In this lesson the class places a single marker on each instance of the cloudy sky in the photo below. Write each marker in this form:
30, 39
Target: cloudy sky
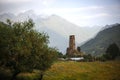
80, 12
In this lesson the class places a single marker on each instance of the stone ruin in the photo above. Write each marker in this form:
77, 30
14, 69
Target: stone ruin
71, 50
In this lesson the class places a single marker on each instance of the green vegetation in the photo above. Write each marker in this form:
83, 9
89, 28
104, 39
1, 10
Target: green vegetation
23, 49
88, 58
25, 55
70, 70
112, 52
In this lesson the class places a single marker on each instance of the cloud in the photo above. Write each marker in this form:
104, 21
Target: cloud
47, 2
44, 2
86, 19
71, 10
77, 14
14, 1
100, 15
17, 6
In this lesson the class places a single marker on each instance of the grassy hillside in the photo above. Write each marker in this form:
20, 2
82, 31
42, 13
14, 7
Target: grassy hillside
84, 71
70, 70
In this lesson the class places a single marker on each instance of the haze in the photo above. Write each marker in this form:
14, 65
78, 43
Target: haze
79, 12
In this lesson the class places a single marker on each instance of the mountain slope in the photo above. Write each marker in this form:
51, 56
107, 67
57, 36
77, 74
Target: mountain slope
56, 40
65, 28
98, 45
5, 16
57, 28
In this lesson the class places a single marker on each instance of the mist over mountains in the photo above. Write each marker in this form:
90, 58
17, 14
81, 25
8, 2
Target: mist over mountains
56, 27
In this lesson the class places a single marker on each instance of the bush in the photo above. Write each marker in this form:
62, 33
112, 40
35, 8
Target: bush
112, 52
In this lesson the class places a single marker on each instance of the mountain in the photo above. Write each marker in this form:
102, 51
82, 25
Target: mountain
56, 40
63, 28
57, 28
5, 16
98, 45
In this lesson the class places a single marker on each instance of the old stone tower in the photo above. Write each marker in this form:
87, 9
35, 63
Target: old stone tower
71, 50
72, 42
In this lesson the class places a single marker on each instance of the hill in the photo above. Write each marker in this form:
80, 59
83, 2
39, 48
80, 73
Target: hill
98, 45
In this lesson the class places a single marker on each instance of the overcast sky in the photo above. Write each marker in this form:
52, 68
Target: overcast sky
80, 12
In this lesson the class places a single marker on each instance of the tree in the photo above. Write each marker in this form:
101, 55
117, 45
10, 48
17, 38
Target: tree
88, 57
60, 55
24, 49
78, 49
5, 35
112, 52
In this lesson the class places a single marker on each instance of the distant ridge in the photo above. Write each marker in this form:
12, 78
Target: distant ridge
98, 45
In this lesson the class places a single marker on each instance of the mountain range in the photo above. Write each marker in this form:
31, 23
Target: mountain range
56, 27
98, 45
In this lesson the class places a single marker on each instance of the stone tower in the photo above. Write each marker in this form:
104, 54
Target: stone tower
72, 42
71, 49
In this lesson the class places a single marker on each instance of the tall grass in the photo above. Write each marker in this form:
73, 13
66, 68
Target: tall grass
84, 71
70, 70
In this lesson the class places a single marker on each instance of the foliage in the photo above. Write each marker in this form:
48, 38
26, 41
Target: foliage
23, 48
101, 58
60, 55
88, 57
79, 49
112, 51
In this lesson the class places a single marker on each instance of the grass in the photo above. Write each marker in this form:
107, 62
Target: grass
84, 71
70, 70
28, 76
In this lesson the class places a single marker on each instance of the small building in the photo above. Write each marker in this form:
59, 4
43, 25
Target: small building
77, 59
